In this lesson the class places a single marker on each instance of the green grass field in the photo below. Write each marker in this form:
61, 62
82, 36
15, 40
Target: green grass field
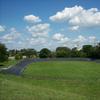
8, 63
53, 80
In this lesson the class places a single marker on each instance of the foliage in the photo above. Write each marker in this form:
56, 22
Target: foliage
3, 53
92, 52
29, 53
18, 56
45, 53
8, 63
13, 52
87, 51
75, 52
63, 52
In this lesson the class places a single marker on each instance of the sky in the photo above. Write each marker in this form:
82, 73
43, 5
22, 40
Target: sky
49, 23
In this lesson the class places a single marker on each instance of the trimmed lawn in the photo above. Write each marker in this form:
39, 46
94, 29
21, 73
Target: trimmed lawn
53, 80
64, 69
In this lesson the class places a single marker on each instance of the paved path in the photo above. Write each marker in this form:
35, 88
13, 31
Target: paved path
19, 67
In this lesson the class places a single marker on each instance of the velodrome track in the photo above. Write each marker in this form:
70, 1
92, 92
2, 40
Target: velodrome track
19, 67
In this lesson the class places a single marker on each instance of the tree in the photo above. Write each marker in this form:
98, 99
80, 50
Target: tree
18, 56
88, 50
82, 54
29, 53
45, 53
96, 51
53, 54
75, 52
3, 53
63, 52
13, 52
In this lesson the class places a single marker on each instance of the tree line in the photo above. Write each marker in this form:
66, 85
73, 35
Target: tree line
87, 51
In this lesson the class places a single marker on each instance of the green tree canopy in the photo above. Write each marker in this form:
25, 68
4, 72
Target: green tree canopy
3, 53
88, 50
29, 53
45, 53
63, 52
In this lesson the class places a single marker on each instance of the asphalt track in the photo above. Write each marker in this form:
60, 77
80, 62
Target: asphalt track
19, 67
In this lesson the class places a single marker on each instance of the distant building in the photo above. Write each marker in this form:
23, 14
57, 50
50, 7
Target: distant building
24, 57
11, 58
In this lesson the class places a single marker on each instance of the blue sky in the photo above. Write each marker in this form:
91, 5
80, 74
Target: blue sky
49, 23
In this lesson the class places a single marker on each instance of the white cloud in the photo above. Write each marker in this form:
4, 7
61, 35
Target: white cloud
32, 19
39, 30
2, 29
66, 14
74, 28
11, 36
80, 39
37, 41
92, 39
78, 16
60, 38
65, 40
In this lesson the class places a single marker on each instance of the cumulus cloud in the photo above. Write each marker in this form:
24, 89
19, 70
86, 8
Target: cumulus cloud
60, 38
80, 39
39, 30
2, 29
11, 36
76, 42
32, 19
37, 41
74, 28
78, 16
92, 39
65, 41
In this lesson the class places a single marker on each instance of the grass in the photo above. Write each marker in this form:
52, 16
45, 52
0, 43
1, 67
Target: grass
8, 63
65, 80
64, 69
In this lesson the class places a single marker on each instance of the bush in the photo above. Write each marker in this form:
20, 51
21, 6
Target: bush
18, 56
